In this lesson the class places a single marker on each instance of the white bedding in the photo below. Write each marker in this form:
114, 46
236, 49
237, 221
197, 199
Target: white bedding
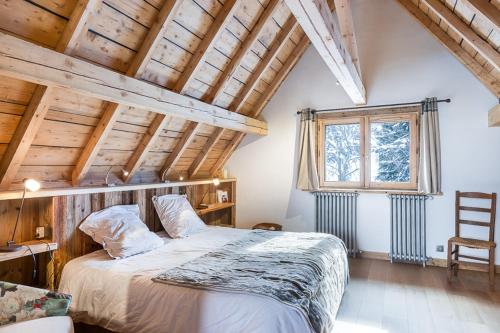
119, 294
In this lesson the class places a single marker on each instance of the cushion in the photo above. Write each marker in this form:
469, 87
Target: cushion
120, 231
42, 325
19, 303
177, 216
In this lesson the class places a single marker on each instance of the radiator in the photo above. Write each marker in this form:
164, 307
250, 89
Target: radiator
336, 214
408, 237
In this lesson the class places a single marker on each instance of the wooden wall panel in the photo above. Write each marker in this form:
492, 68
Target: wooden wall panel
36, 212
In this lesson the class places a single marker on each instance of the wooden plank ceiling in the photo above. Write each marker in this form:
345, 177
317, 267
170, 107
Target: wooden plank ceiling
233, 54
469, 29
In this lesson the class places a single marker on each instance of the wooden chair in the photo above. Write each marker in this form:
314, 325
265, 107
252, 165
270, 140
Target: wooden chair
455, 242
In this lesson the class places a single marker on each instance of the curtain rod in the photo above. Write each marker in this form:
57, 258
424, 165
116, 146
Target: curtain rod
448, 100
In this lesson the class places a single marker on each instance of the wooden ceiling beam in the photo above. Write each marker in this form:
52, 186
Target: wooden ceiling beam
273, 51
316, 19
237, 104
245, 47
112, 110
465, 32
494, 116
346, 26
465, 58
39, 104
26, 61
486, 10
24, 135
223, 80
77, 25
263, 100
197, 60
179, 149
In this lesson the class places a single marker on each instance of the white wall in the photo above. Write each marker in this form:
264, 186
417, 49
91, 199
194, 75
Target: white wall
400, 62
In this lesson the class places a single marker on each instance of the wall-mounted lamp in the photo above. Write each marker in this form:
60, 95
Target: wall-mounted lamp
125, 173
165, 173
31, 185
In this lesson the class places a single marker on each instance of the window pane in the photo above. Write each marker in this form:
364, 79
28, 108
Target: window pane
390, 152
342, 153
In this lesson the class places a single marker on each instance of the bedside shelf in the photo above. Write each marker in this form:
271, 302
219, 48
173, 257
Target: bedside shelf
214, 208
36, 247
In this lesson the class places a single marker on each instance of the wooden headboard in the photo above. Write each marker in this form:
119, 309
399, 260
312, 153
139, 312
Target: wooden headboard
63, 215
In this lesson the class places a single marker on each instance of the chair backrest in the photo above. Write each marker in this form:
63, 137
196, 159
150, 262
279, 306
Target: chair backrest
492, 197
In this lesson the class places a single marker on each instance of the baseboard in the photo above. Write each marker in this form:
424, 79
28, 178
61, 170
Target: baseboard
432, 262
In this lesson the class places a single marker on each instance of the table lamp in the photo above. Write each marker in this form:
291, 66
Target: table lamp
31, 185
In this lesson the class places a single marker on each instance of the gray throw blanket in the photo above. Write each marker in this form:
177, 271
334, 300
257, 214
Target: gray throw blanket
307, 271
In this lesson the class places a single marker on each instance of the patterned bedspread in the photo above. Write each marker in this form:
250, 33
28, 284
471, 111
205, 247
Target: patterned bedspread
307, 271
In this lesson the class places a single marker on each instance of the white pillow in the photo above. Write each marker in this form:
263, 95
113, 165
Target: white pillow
177, 216
120, 231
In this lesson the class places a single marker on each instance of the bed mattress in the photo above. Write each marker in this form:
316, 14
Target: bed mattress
120, 295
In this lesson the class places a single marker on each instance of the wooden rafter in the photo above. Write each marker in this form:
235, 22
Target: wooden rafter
465, 58
221, 83
494, 116
24, 135
346, 26
112, 111
465, 32
26, 61
196, 61
277, 45
486, 10
39, 104
264, 99
180, 148
316, 19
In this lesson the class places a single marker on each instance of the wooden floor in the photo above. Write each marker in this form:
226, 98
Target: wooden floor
398, 298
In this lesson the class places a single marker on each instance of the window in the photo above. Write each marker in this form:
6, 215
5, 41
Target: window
368, 151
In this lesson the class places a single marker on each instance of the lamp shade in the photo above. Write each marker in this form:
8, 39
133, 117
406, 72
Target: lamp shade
32, 185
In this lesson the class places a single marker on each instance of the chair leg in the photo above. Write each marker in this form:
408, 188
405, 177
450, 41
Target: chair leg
455, 266
448, 265
492, 268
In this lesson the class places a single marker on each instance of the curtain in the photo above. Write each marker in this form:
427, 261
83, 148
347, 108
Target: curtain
429, 180
307, 178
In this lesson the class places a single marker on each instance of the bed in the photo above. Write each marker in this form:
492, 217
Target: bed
121, 296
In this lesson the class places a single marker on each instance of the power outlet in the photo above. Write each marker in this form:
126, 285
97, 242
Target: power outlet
440, 248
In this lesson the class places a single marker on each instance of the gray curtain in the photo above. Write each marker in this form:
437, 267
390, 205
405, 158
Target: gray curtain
307, 178
429, 180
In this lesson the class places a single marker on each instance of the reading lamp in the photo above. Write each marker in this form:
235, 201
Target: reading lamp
31, 185
164, 175
106, 180
215, 182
